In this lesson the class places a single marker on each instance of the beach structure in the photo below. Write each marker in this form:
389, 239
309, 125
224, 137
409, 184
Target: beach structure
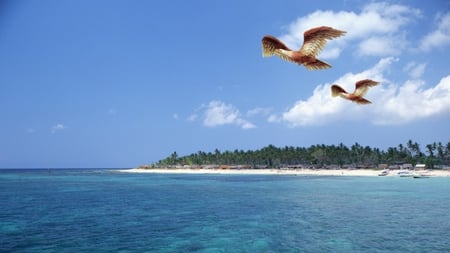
420, 166
407, 166
210, 167
364, 166
332, 167
394, 167
235, 167
383, 166
295, 166
314, 40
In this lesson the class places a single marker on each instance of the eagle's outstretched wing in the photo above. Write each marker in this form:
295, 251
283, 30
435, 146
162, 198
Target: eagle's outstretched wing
362, 86
270, 44
337, 90
315, 39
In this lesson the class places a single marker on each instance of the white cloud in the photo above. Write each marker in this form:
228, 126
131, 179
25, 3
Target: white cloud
246, 125
314, 110
376, 30
321, 108
392, 104
411, 101
57, 127
381, 46
440, 37
218, 113
414, 69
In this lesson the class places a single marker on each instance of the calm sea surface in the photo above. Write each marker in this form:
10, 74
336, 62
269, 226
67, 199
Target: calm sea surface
107, 211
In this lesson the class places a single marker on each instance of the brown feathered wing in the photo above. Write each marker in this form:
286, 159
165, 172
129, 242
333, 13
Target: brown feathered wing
315, 39
362, 86
361, 101
271, 46
337, 90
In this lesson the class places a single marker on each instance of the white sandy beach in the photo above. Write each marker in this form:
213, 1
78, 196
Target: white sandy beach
306, 172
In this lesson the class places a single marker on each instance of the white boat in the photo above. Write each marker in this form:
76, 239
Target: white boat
405, 173
420, 175
383, 173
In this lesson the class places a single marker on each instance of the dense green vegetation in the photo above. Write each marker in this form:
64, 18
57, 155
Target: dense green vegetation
320, 155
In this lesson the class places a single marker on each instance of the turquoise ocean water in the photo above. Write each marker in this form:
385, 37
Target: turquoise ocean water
104, 211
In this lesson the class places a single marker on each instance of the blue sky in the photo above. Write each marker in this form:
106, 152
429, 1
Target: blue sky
125, 83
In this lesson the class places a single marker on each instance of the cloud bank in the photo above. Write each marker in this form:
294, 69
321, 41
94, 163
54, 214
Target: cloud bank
377, 30
392, 103
412, 101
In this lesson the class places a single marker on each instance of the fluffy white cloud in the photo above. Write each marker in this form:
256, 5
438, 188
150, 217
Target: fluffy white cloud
439, 37
218, 113
392, 103
376, 30
381, 46
317, 109
321, 108
411, 101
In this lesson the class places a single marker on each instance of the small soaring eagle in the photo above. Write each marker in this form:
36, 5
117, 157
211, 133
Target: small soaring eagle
313, 43
361, 88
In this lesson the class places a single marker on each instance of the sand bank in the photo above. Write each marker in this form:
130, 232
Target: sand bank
306, 172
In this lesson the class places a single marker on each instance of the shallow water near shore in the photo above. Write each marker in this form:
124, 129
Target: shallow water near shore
107, 211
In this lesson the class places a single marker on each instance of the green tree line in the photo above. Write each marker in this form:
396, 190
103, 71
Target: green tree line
319, 155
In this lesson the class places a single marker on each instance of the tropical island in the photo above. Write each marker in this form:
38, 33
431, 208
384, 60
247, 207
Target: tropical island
316, 159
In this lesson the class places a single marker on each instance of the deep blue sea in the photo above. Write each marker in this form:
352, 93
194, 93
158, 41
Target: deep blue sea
107, 211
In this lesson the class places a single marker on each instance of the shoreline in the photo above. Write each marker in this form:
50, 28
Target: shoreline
295, 172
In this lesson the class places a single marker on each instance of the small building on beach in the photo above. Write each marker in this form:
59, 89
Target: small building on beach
420, 166
407, 166
383, 166
394, 167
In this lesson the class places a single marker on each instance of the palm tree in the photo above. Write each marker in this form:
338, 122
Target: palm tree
414, 148
430, 149
440, 152
356, 153
430, 160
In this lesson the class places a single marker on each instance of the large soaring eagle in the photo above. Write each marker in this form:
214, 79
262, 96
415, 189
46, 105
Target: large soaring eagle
313, 43
361, 88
